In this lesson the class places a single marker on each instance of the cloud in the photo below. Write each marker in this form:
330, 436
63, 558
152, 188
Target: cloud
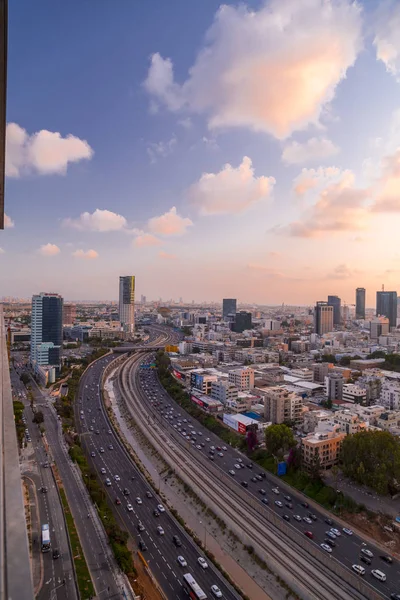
313, 150
310, 179
49, 250
99, 220
44, 152
169, 224
265, 270
231, 190
186, 123
342, 271
387, 36
2, 251
88, 254
339, 207
273, 70
166, 255
144, 239
388, 187
8, 222
161, 149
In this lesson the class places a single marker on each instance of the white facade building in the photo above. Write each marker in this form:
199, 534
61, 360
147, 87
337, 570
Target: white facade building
224, 391
390, 396
354, 393
243, 379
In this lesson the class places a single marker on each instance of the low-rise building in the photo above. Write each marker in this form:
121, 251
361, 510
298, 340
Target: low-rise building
390, 395
320, 371
314, 418
202, 380
304, 374
224, 391
243, 379
388, 421
348, 422
282, 406
354, 393
367, 363
322, 448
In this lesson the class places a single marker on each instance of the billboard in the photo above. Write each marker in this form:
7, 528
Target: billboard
241, 427
177, 374
197, 400
230, 421
196, 381
282, 468
171, 348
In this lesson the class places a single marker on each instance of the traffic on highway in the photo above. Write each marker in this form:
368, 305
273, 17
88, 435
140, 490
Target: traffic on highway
364, 559
163, 543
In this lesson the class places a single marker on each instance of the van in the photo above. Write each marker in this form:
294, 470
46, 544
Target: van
378, 575
358, 569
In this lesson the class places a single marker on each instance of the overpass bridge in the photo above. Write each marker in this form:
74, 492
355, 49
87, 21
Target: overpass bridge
136, 348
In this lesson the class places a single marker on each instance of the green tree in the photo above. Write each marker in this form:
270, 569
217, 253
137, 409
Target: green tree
24, 378
38, 417
345, 361
328, 358
279, 439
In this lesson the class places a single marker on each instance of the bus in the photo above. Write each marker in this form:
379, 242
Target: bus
46, 538
192, 588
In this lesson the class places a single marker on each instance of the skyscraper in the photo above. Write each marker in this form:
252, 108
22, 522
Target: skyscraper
228, 307
386, 306
323, 318
46, 330
360, 303
242, 321
335, 302
127, 303
69, 314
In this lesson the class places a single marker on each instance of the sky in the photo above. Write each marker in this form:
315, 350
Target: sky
247, 150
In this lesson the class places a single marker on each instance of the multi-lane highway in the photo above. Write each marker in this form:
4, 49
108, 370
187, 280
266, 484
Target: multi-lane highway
135, 502
348, 548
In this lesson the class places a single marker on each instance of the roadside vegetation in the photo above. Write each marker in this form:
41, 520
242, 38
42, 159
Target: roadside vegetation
18, 408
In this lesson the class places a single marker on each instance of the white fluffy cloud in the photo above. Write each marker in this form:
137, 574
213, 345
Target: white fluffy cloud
88, 254
169, 224
161, 149
310, 179
387, 36
8, 222
49, 250
313, 150
388, 187
340, 206
270, 70
143, 239
231, 190
44, 152
99, 220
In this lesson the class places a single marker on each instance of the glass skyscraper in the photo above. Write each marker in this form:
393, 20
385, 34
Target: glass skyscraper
386, 306
360, 303
228, 307
127, 303
46, 330
335, 302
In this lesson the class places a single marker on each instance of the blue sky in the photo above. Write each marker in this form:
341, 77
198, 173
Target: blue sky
245, 151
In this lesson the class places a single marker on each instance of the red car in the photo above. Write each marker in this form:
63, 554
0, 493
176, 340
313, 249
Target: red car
117, 501
309, 534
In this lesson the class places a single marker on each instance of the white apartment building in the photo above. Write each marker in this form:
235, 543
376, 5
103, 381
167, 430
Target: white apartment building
281, 406
243, 379
388, 421
348, 422
304, 374
354, 393
224, 391
390, 395
314, 418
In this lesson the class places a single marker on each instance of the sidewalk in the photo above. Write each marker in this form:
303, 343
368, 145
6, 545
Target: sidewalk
33, 525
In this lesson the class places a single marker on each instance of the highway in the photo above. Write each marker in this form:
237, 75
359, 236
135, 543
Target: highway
347, 548
111, 461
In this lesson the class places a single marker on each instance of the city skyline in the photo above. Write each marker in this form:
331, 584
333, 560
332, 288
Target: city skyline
293, 199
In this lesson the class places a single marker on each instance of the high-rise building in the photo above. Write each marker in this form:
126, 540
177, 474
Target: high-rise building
228, 307
386, 306
127, 303
69, 314
323, 318
335, 302
46, 330
242, 321
379, 326
143, 299
360, 303
281, 406
334, 386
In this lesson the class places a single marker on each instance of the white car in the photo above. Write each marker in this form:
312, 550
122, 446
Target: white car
160, 507
108, 482
208, 440
326, 548
278, 503
297, 517
117, 478
358, 569
347, 531
103, 470
237, 466
367, 552
160, 530
129, 507
231, 472
139, 500
216, 591
378, 575
202, 562
336, 532
307, 520
182, 561
240, 460
275, 490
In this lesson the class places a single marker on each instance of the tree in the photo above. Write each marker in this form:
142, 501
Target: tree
279, 439
328, 358
39, 417
315, 467
345, 361
24, 378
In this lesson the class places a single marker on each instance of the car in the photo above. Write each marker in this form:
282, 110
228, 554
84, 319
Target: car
91, 428
56, 554
108, 482
231, 472
142, 545
177, 540
103, 470
254, 479
286, 517
211, 457
386, 558
216, 591
336, 531
288, 498
329, 521
365, 560
265, 500
276, 491
202, 444
224, 448
367, 552
117, 501
394, 596
149, 494
305, 504
307, 520
347, 531
278, 503
309, 534
97, 432
259, 478
380, 575
330, 542
129, 507
297, 517
93, 454
262, 492
110, 447
326, 547
182, 561
101, 450
312, 516
207, 439
358, 569
237, 466
109, 431
202, 562
117, 478
140, 526
221, 454
244, 484
44, 489
289, 505
160, 508
330, 535
160, 530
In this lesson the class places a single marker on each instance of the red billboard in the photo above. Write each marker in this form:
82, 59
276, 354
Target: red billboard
177, 374
197, 400
241, 427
